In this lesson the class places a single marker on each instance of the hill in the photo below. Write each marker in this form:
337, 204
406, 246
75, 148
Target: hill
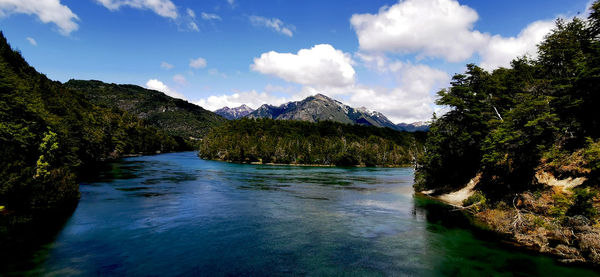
49, 133
174, 116
302, 142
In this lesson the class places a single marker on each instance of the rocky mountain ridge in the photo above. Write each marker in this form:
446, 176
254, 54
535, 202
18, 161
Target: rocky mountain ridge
320, 108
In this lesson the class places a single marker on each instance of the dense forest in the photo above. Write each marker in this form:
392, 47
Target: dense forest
49, 133
512, 126
301, 142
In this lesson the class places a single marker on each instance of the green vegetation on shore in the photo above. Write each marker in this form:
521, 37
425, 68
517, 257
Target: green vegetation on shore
301, 142
174, 116
49, 133
521, 129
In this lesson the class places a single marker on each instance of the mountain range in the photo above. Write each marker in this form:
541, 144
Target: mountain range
320, 108
234, 113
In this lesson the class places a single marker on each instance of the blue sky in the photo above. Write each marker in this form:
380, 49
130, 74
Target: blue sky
390, 56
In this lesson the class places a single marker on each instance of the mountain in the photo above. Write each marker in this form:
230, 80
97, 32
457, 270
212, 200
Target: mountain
319, 108
234, 113
419, 126
175, 116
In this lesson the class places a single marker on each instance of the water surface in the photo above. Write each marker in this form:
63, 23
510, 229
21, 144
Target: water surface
174, 214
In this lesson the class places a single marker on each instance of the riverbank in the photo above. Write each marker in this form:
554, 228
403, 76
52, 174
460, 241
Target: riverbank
536, 221
309, 165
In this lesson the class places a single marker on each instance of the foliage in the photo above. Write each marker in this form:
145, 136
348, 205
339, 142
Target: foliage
591, 154
505, 123
176, 117
583, 203
301, 142
561, 204
49, 133
476, 198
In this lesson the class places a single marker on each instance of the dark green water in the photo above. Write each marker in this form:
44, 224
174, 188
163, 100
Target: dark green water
174, 214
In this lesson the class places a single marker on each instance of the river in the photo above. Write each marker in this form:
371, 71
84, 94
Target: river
175, 214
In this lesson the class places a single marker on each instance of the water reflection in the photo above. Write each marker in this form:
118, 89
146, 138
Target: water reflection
26, 239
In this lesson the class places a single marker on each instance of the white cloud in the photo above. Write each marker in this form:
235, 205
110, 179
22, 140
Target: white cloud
190, 13
411, 101
273, 23
323, 69
46, 10
179, 79
441, 29
31, 41
232, 3
500, 51
166, 65
193, 26
198, 63
322, 65
210, 16
251, 98
431, 28
160, 86
379, 62
164, 8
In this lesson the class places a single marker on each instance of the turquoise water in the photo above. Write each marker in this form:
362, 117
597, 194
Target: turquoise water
174, 214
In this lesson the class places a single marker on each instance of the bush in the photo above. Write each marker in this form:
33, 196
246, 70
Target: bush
476, 198
583, 203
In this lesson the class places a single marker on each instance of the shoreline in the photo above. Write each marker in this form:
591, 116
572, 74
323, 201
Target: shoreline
478, 220
308, 165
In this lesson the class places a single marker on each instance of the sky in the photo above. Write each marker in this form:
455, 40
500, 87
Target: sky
388, 56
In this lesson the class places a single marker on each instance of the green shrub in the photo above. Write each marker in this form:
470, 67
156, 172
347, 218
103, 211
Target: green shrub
583, 203
476, 198
561, 204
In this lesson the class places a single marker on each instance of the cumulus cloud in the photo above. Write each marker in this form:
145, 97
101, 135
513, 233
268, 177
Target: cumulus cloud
179, 79
166, 65
251, 98
379, 62
47, 11
321, 65
273, 23
500, 50
164, 8
431, 28
210, 16
31, 41
441, 29
410, 101
160, 86
198, 63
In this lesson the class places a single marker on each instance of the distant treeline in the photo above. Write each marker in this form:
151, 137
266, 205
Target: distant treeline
49, 133
300, 142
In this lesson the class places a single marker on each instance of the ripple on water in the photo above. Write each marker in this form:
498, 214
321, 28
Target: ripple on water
174, 214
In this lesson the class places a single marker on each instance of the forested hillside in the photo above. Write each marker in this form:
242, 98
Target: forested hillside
532, 134
175, 116
49, 132
301, 142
